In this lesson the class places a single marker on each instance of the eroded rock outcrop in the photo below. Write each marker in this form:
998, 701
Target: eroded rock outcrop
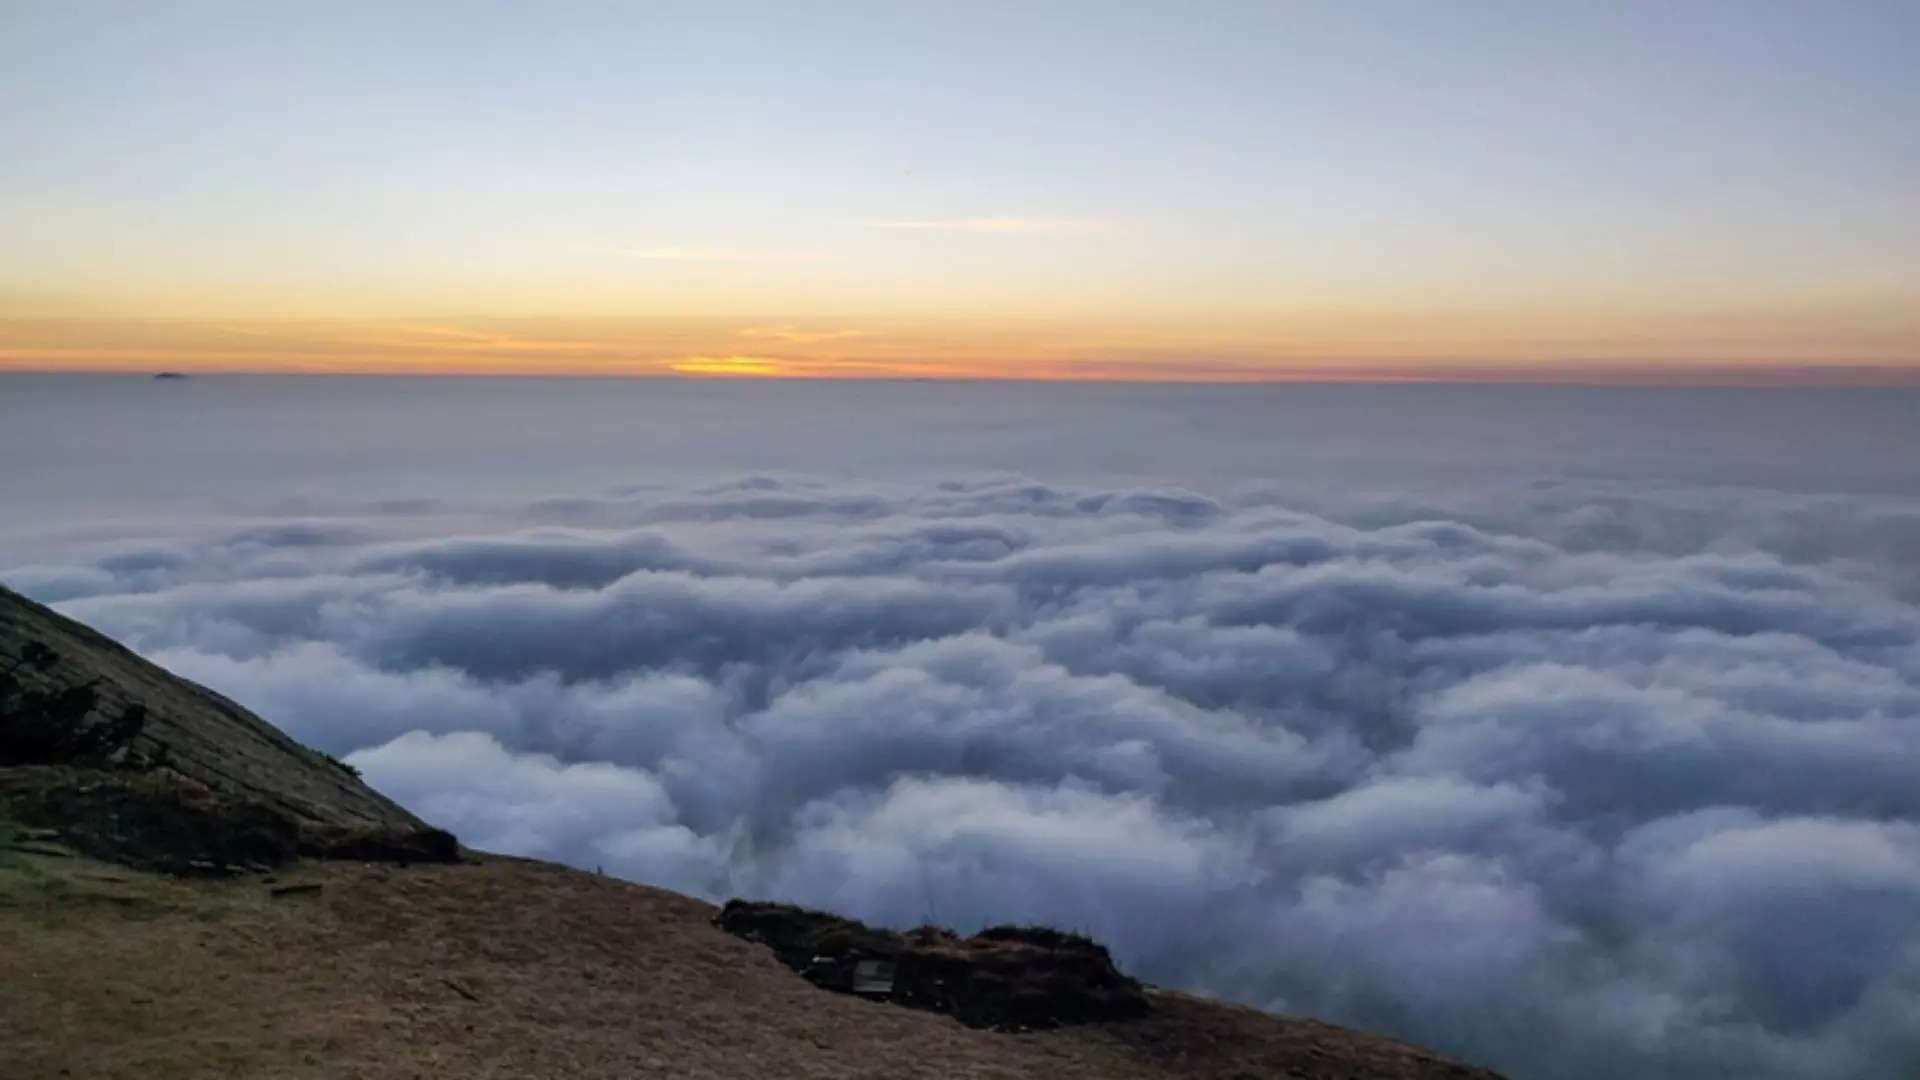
1004, 977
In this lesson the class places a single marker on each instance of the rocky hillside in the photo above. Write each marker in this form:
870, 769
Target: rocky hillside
186, 892
116, 758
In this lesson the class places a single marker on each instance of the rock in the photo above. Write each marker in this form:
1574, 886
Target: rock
1005, 977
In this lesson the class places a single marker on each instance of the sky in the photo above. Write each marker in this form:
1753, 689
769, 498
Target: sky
1571, 731
1613, 192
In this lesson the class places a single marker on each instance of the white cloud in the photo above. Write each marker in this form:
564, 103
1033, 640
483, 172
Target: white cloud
1571, 782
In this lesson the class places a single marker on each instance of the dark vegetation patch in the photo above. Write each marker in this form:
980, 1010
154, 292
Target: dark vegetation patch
381, 845
169, 823
148, 821
42, 725
1007, 978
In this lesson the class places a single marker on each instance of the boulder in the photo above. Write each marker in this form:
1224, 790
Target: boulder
1006, 978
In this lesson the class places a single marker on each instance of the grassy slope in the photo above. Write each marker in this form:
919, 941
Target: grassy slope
512, 968
203, 735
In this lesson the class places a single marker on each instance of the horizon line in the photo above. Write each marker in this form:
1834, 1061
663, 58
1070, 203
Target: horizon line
1699, 376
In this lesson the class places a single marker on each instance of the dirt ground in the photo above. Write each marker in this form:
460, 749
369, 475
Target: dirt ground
510, 968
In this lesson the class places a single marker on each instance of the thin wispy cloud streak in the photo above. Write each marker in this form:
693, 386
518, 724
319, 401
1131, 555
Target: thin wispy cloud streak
699, 254
1576, 759
1002, 225
798, 335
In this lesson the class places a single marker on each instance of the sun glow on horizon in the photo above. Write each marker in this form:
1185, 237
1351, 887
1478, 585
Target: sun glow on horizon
727, 365
1327, 346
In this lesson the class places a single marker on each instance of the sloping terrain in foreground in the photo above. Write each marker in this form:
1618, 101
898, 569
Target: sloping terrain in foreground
358, 943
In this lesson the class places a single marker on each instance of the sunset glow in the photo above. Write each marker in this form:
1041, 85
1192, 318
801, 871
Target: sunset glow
1298, 192
726, 365
1398, 512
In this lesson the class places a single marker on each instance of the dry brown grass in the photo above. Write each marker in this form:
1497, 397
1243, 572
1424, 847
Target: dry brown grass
509, 968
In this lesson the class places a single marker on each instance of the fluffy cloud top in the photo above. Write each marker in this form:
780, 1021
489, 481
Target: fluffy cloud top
1572, 782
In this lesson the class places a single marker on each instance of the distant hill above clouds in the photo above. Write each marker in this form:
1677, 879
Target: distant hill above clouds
185, 891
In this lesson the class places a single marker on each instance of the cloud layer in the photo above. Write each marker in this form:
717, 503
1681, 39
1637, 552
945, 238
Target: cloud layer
1572, 778
1563, 808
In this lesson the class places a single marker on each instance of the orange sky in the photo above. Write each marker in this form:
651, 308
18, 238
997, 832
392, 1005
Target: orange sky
1432, 345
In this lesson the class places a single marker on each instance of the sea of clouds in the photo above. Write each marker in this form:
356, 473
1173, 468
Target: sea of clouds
1570, 771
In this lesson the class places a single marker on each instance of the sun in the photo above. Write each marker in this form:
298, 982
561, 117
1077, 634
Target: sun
727, 365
